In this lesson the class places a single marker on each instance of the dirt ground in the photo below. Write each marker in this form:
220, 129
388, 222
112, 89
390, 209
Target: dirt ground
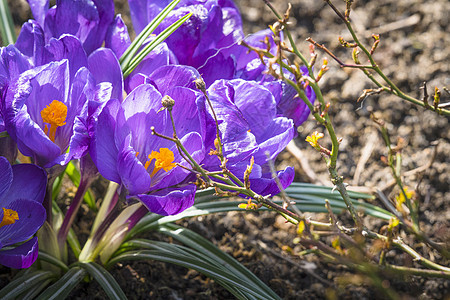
414, 48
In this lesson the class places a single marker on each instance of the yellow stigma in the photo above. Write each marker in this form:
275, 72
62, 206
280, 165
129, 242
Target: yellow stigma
54, 114
9, 217
164, 160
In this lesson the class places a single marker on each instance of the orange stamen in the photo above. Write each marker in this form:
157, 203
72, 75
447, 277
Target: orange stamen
9, 217
54, 114
164, 160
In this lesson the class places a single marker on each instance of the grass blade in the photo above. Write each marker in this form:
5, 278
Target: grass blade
140, 39
61, 289
24, 283
53, 260
209, 250
180, 255
135, 61
6, 24
35, 290
105, 279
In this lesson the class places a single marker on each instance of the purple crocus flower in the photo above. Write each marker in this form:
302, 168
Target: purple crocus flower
250, 127
37, 110
88, 20
64, 88
41, 107
214, 24
22, 190
126, 152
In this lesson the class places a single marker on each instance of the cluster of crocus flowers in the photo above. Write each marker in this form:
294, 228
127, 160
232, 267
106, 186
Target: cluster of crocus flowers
63, 97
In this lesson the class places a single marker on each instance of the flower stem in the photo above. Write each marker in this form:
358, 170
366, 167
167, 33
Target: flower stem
85, 182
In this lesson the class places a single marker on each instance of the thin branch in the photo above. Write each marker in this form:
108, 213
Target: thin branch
342, 64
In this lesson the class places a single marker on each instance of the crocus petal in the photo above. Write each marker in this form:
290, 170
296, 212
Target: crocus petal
26, 175
138, 12
160, 56
87, 20
268, 186
167, 77
33, 90
186, 115
257, 40
6, 177
105, 67
256, 104
31, 217
22, 256
217, 67
31, 41
134, 177
85, 123
12, 62
232, 24
169, 201
95, 38
32, 141
77, 18
39, 9
135, 80
276, 137
239, 142
142, 99
117, 37
69, 47
104, 151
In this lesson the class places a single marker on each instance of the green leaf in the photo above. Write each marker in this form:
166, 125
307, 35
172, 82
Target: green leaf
105, 279
24, 283
75, 177
135, 61
35, 290
57, 185
191, 259
6, 24
74, 244
3, 134
72, 239
53, 260
61, 289
209, 250
131, 51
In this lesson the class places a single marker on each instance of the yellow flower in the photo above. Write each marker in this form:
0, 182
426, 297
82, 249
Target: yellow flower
249, 205
400, 199
314, 138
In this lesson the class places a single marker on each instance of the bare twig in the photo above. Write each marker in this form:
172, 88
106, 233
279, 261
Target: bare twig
304, 163
366, 152
342, 64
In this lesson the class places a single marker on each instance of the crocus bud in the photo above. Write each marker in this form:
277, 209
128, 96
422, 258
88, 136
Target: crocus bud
200, 84
167, 102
